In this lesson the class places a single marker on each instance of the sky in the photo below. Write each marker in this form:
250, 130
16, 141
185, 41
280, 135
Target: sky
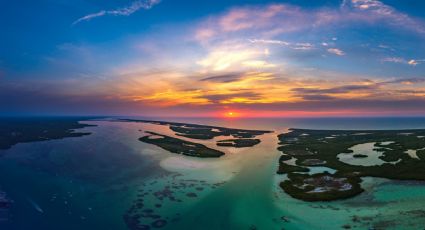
212, 58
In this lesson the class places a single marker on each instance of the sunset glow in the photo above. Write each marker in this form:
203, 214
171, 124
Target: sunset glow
232, 114
266, 58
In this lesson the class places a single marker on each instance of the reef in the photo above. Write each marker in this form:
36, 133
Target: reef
153, 197
312, 148
179, 146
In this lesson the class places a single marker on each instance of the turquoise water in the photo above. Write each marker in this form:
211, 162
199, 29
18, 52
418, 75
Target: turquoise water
91, 182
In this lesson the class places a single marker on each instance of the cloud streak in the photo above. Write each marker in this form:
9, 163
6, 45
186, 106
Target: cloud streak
411, 62
276, 19
124, 11
374, 10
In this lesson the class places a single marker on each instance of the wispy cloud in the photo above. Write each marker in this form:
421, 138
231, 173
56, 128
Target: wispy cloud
265, 41
224, 78
295, 46
412, 62
374, 10
124, 11
303, 46
276, 19
282, 26
394, 60
336, 51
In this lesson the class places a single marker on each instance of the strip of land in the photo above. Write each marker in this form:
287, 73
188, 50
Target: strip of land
22, 130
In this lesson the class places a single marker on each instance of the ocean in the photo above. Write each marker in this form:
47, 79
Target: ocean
111, 180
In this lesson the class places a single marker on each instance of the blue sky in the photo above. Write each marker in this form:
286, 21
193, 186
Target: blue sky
189, 58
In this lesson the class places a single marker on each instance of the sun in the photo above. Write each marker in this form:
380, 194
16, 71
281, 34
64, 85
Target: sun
231, 114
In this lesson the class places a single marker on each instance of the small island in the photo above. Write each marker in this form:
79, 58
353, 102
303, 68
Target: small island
321, 186
180, 146
238, 143
343, 152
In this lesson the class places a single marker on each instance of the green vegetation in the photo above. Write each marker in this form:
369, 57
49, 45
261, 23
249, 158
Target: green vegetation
203, 132
321, 186
326, 145
313, 162
195, 133
20, 130
284, 157
238, 143
286, 168
180, 146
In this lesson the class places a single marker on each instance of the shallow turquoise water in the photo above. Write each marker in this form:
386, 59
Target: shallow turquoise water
90, 182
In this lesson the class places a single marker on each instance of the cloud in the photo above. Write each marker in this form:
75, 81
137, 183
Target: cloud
414, 62
238, 96
232, 56
408, 81
295, 46
258, 64
303, 46
411, 62
224, 78
374, 10
189, 92
265, 41
345, 89
394, 60
317, 97
336, 51
273, 20
125, 11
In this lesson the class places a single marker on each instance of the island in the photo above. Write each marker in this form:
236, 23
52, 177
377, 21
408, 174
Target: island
179, 146
348, 155
203, 132
321, 186
241, 137
30, 129
238, 143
